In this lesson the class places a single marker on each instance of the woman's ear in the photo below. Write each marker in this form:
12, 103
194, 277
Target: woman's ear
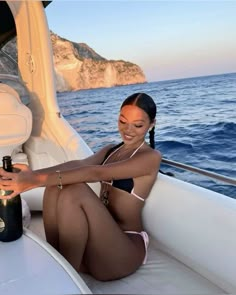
152, 125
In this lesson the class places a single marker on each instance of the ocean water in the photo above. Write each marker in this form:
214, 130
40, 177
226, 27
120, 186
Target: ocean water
196, 122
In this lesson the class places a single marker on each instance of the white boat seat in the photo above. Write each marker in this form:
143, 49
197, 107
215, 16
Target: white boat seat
162, 274
15, 124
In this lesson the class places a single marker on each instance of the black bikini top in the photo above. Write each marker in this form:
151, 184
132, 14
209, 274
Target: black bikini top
123, 184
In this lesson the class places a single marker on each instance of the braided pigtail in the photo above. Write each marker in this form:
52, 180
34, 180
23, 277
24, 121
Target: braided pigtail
152, 137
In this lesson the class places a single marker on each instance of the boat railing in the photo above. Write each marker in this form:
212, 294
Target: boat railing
204, 172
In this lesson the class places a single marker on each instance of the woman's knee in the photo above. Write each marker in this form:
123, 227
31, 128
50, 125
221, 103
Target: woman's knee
73, 195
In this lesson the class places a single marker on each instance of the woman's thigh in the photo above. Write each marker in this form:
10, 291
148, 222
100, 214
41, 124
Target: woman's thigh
109, 252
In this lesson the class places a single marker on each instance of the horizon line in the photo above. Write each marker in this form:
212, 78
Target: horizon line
192, 77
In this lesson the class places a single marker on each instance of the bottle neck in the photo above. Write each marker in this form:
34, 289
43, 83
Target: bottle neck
7, 163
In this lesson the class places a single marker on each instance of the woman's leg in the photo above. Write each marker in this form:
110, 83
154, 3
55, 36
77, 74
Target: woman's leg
88, 233
50, 215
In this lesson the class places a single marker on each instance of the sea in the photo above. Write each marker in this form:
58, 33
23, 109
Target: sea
196, 123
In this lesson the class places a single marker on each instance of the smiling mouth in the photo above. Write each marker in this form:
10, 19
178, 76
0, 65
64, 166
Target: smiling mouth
128, 136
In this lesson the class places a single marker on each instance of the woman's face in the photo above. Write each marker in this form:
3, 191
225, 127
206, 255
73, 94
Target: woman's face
133, 124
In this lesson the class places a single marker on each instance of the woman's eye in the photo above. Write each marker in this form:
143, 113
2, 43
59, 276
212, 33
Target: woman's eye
122, 122
135, 125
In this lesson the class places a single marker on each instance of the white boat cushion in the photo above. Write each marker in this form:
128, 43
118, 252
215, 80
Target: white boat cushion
15, 121
196, 226
162, 274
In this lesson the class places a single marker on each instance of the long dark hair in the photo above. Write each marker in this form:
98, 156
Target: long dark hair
147, 104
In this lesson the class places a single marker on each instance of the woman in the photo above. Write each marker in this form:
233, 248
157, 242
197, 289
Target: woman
101, 236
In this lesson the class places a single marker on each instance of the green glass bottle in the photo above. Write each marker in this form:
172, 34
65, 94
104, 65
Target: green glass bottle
11, 227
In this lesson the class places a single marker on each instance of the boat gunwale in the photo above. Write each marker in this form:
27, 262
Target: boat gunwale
200, 171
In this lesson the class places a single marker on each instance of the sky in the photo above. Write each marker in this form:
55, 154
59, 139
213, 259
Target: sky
167, 39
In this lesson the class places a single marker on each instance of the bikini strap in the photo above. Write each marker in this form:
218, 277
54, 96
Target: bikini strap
115, 148
137, 149
137, 196
111, 151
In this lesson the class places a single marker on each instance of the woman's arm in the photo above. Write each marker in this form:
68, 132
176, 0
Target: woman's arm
143, 163
26, 178
94, 159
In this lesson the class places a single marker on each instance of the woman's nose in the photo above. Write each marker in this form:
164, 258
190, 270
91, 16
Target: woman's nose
128, 127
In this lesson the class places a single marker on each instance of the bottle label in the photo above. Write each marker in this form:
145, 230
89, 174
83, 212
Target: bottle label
2, 225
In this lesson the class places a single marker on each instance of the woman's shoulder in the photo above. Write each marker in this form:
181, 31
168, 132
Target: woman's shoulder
157, 153
151, 157
152, 152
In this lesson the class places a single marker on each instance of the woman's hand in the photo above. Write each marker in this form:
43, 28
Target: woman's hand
16, 182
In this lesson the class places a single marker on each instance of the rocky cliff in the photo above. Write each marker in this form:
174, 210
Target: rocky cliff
77, 66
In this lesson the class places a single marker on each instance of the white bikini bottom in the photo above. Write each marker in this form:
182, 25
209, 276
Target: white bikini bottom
145, 237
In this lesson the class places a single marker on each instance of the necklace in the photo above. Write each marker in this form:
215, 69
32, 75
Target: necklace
104, 196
